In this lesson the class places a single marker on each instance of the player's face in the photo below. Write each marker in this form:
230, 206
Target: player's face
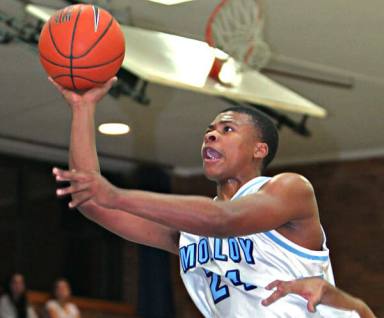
228, 149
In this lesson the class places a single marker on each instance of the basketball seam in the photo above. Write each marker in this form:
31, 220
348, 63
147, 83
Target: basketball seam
97, 41
71, 49
86, 52
53, 40
82, 67
79, 76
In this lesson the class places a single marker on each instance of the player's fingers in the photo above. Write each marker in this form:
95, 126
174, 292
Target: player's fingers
273, 284
311, 306
74, 188
269, 300
57, 85
277, 294
58, 173
99, 91
62, 175
107, 86
73, 175
79, 199
53, 82
112, 80
313, 301
68, 95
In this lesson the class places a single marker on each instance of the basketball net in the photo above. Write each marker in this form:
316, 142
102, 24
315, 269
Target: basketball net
236, 27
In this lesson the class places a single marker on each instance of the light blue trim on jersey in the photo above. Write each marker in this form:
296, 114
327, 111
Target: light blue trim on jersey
283, 242
295, 250
247, 187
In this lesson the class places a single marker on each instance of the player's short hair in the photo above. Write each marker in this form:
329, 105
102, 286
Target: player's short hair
264, 125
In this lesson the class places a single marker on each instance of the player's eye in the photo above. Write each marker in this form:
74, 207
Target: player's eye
227, 129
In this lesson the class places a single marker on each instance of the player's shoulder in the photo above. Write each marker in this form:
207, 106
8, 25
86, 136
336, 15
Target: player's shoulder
289, 181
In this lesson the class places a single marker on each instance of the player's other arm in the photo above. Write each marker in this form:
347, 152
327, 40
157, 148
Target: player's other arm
318, 291
285, 198
133, 228
83, 157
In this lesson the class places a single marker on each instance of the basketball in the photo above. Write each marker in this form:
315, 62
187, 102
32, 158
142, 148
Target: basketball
81, 46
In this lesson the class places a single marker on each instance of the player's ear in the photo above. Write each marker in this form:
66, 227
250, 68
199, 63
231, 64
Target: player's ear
261, 150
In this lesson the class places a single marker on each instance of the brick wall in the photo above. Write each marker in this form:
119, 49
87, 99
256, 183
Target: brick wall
350, 198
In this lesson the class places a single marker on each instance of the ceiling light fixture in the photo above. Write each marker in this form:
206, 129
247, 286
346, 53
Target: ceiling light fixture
170, 2
114, 129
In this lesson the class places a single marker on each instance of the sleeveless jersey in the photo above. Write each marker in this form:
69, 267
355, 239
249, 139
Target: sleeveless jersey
225, 277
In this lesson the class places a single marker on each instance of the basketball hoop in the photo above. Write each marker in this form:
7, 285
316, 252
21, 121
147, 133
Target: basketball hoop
236, 27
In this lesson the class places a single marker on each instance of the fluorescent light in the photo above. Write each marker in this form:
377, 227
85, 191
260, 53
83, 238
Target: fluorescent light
114, 129
170, 2
39, 12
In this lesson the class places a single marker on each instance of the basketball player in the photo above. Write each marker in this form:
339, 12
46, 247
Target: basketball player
257, 229
317, 291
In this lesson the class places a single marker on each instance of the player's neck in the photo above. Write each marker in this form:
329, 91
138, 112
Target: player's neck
227, 188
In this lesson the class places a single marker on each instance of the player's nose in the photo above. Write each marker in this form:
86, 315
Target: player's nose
210, 137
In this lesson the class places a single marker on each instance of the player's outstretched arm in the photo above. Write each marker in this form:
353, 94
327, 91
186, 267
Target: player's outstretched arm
317, 291
83, 157
82, 149
285, 199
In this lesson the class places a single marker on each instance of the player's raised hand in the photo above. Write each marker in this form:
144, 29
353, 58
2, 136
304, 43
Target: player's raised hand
85, 186
311, 289
89, 97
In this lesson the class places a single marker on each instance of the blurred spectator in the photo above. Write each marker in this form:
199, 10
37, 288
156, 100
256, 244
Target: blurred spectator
60, 306
14, 303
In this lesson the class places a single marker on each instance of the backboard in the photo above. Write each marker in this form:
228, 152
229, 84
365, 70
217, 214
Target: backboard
185, 63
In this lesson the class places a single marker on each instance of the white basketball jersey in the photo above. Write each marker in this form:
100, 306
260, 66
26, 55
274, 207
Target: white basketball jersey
225, 277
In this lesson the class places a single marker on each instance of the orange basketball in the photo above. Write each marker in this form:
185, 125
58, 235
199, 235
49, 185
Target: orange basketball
81, 46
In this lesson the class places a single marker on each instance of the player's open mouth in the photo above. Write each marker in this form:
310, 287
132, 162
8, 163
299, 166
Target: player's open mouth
210, 154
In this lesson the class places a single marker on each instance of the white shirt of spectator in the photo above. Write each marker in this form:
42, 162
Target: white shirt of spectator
70, 310
8, 310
